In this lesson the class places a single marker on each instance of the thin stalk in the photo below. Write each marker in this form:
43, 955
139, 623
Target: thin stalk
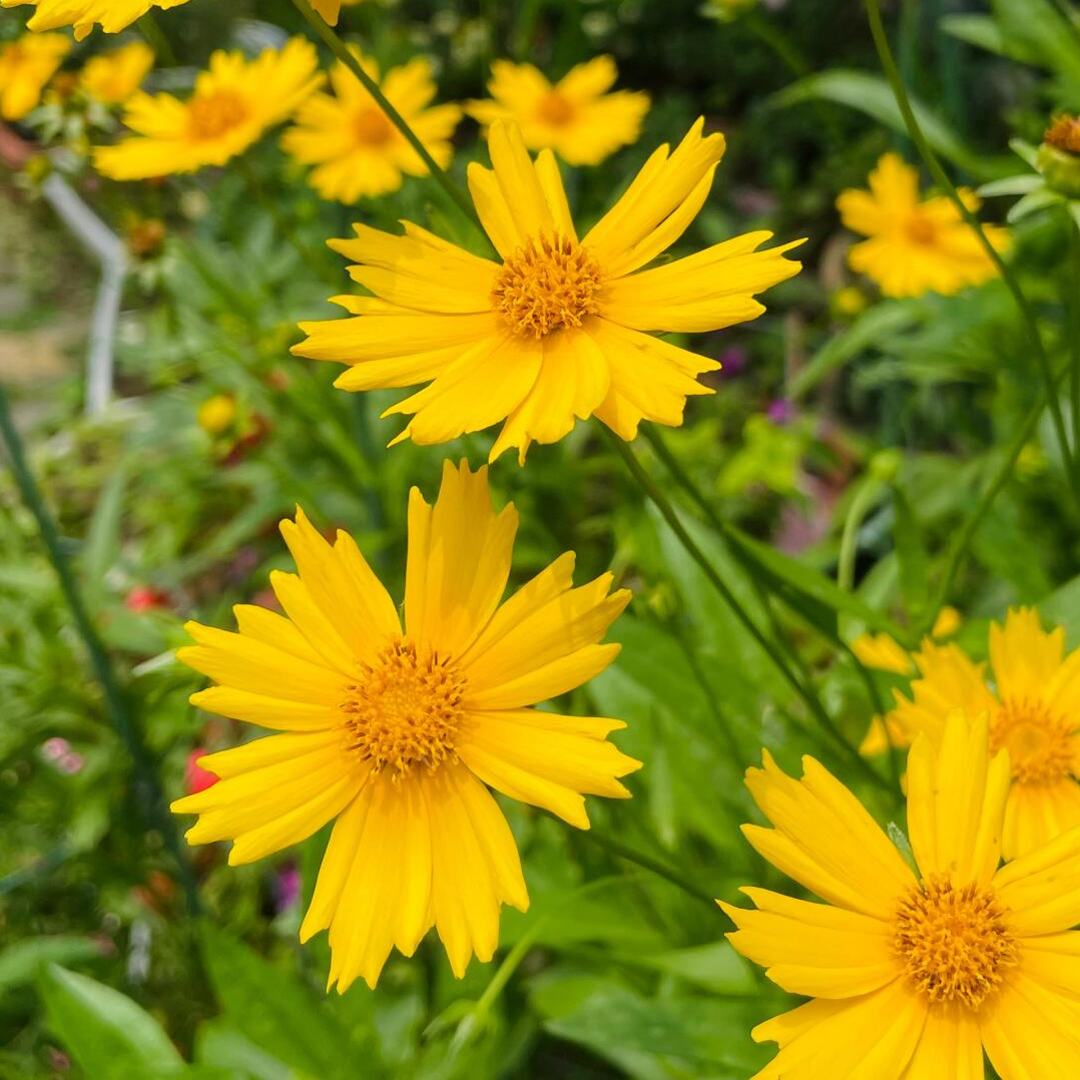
809, 698
1072, 306
345, 55
943, 180
156, 39
682, 478
849, 546
771, 36
147, 788
647, 862
964, 537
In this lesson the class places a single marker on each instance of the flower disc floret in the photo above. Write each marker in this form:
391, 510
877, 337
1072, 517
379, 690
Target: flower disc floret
954, 941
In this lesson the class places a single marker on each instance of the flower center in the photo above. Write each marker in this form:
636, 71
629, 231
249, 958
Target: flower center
1040, 744
556, 109
549, 284
920, 229
405, 710
371, 127
1064, 133
211, 115
954, 941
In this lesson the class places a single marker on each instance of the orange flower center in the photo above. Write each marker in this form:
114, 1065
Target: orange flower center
1040, 744
556, 109
1064, 133
920, 229
954, 941
549, 284
406, 709
371, 127
212, 115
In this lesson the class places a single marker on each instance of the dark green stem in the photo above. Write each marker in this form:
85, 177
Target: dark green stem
1072, 307
809, 698
345, 55
647, 862
943, 180
147, 788
964, 538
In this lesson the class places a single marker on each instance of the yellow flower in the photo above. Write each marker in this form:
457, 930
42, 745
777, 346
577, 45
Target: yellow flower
113, 15
232, 105
399, 732
577, 117
113, 77
26, 65
882, 652
915, 246
556, 328
356, 149
116, 15
1033, 702
914, 975
216, 414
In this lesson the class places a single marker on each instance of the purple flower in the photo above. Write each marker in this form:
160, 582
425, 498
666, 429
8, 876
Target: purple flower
286, 887
781, 411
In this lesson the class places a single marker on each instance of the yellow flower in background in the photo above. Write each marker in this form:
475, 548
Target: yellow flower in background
113, 77
914, 975
357, 151
117, 15
1033, 704
26, 65
217, 414
113, 15
398, 732
557, 328
233, 103
882, 652
916, 245
577, 117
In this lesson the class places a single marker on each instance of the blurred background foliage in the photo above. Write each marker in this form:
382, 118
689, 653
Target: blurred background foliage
836, 407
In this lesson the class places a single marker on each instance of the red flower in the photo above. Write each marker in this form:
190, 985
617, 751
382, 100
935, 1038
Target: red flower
196, 778
145, 598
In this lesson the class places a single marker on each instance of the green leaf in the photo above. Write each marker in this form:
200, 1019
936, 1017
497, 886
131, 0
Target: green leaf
1039, 32
879, 323
110, 1036
983, 32
102, 547
1062, 608
911, 555
274, 1010
221, 1045
21, 962
871, 94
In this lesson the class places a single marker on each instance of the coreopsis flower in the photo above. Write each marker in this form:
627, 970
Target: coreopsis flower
915, 974
357, 151
1033, 702
915, 245
884, 653
555, 328
113, 77
398, 730
233, 103
116, 15
26, 65
576, 117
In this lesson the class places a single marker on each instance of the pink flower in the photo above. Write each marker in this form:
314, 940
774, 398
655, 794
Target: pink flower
196, 778
145, 598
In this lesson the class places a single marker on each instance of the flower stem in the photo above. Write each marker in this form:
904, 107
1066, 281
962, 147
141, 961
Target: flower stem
941, 177
647, 862
966, 534
147, 788
1072, 303
809, 698
345, 55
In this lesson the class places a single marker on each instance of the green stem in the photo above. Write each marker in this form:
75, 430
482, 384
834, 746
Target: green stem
809, 698
156, 39
776, 40
1072, 306
345, 55
849, 538
941, 177
966, 534
147, 789
682, 478
647, 862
